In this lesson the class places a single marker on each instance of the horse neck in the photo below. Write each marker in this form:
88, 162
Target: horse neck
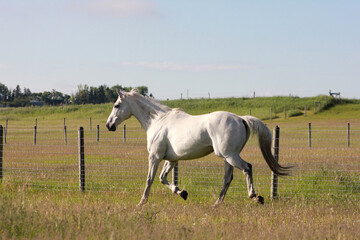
145, 110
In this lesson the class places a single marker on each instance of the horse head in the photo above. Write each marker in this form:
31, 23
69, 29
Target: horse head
120, 112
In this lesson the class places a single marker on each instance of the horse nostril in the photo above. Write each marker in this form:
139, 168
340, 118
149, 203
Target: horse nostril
111, 128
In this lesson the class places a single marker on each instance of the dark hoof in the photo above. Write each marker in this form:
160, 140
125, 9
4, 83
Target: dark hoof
258, 199
184, 194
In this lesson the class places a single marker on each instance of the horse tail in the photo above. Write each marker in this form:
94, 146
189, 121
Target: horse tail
264, 135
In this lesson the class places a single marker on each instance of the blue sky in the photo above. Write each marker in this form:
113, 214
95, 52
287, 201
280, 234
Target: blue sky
225, 48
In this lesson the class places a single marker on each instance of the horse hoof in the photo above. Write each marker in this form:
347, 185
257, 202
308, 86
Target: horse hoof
258, 199
184, 194
141, 203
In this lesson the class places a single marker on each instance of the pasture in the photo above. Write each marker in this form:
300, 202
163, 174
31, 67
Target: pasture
39, 195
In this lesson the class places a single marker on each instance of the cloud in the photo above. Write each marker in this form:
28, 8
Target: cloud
171, 66
116, 8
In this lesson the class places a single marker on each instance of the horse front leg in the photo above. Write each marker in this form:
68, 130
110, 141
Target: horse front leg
153, 166
168, 166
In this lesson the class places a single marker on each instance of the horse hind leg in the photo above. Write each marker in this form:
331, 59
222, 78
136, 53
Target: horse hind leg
246, 168
228, 177
168, 166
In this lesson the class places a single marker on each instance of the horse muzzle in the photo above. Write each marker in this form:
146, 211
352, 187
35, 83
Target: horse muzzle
111, 127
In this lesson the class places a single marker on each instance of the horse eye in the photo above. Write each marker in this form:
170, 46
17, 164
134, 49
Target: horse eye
117, 106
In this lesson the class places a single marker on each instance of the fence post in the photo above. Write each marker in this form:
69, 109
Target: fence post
97, 133
90, 124
285, 112
274, 177
270, 114
81, 159
124, 134
348, 135
35, 127
305, 111
65, 134
175, 174
5, 132
1, 152
309, 135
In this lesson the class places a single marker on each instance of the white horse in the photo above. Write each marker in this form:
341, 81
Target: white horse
174, 135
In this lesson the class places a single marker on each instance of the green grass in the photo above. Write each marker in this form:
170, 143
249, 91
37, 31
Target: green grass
193, 106
259, 106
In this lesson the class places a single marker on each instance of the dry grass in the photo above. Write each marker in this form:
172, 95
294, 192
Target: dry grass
27, 213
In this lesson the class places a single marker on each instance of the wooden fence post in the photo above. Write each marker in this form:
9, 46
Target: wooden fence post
97, 133
35, 132
90, 124
81, 159
348, 135
309, 135
1, 152
175, 174
5, 132
274, 177
65, 133
124, 134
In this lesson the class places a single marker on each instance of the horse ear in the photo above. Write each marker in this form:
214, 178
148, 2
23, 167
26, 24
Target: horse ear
134, 90
120, 93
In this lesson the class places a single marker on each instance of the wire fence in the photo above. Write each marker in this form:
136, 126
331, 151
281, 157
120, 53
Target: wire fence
49, 159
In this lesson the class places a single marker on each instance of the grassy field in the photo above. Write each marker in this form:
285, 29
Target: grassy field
66, 215
321, 200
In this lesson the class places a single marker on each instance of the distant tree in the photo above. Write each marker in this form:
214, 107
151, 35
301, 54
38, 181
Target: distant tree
46, 98
143, 90
110, 95
93, 93
27, 93
17, 92
101, 94
4, 92
82, 95
57, 98
17, 98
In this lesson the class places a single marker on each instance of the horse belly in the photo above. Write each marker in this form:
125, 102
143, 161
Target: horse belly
190, 144
188, 154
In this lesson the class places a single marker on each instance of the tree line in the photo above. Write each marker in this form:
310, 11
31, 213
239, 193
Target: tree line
85, 94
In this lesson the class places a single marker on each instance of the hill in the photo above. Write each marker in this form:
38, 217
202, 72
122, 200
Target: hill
262, 106
319, 107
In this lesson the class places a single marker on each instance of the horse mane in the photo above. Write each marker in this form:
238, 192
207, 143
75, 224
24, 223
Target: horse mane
158, 105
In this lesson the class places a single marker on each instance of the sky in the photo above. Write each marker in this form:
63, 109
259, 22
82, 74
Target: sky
189, 48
